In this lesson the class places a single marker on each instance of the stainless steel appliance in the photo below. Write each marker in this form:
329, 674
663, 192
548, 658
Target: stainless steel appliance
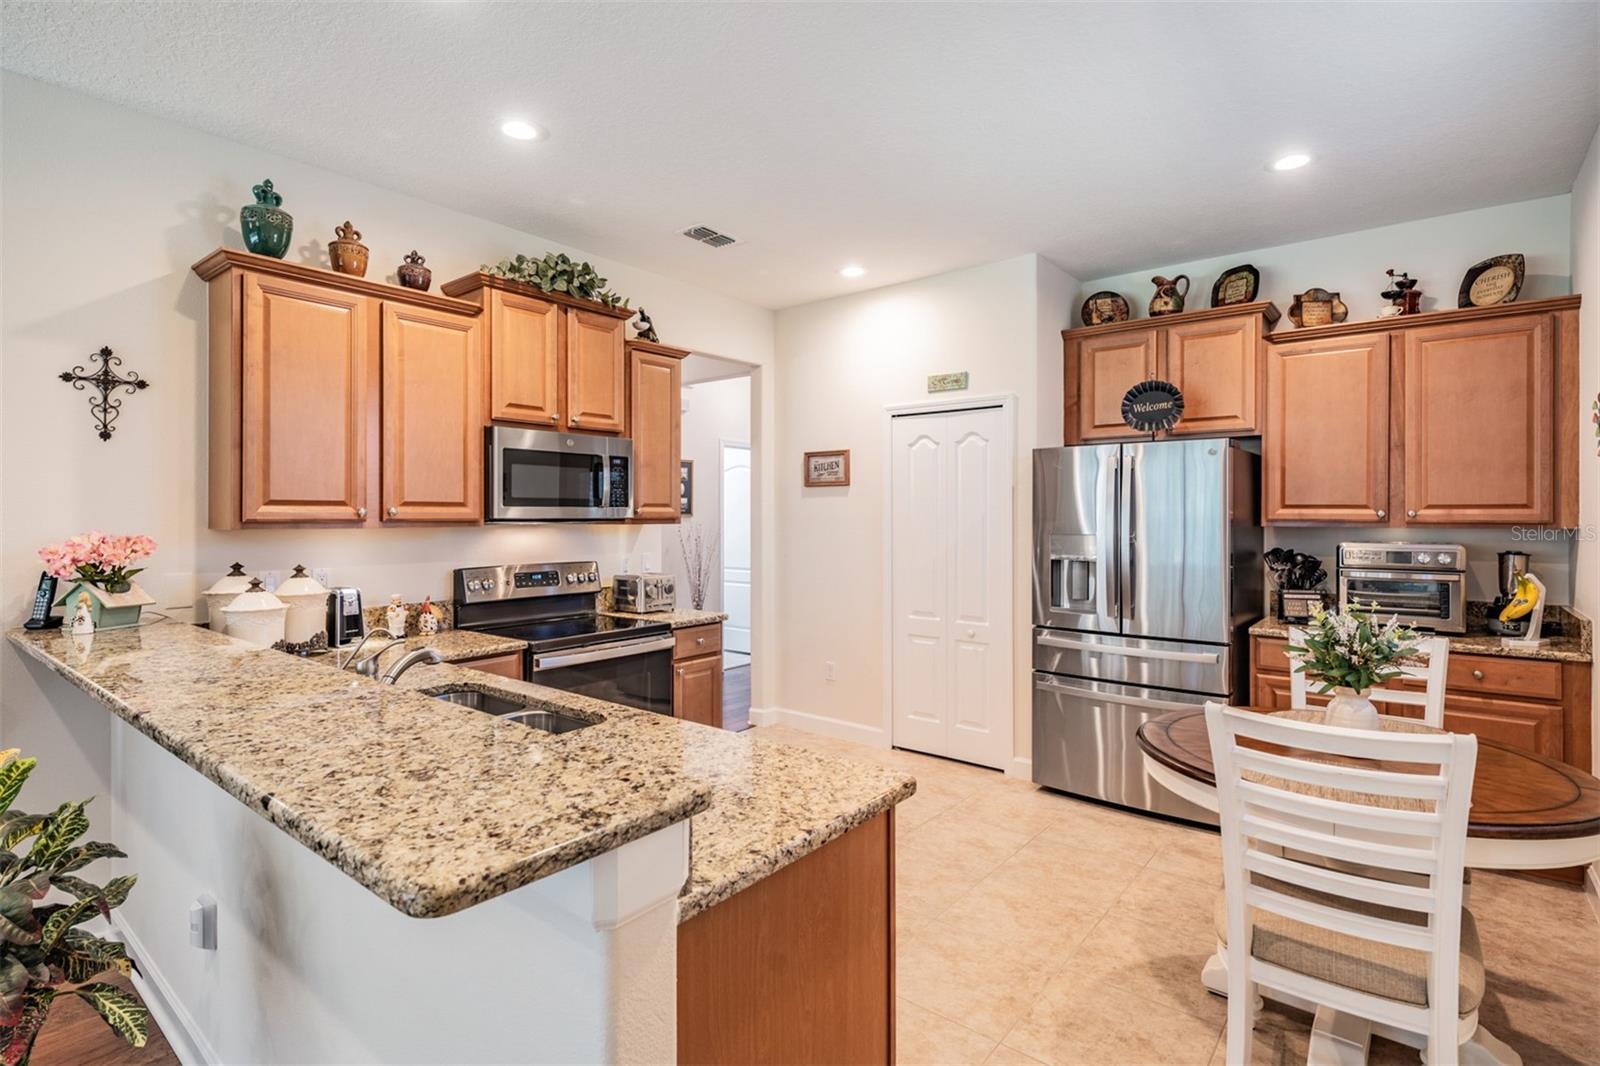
1512, 566
538, 475
1424, 585
345, 622
643, 592
570, 645
1146, 574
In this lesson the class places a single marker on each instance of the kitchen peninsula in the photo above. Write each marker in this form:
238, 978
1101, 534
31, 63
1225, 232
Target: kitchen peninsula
555, 870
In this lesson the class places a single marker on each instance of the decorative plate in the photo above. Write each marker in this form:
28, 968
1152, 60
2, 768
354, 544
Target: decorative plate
1317, 307
1103, 307
1496, 280
1237, 285
1152, 405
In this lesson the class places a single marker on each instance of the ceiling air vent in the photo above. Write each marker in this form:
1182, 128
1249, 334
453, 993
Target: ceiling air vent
707, 235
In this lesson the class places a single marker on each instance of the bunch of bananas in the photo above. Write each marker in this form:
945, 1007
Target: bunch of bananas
1525, 600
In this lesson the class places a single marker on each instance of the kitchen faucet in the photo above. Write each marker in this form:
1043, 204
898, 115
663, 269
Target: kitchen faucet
410, 659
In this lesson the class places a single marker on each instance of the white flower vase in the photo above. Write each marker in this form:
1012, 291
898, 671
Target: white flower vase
1352, 710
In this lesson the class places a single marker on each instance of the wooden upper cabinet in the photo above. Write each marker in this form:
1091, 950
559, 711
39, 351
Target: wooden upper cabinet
306, 381
1325, 452
1478, 414
596, 372
1216, 364
1108, 366
654, 417
526, 361
432, 415
1213, 356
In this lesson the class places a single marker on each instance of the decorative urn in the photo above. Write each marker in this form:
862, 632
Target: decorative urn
412, 274
266, 226
348, 254
306, 625
219, 595
256, 615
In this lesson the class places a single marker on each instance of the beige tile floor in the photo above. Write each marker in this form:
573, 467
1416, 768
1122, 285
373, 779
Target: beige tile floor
1036, 928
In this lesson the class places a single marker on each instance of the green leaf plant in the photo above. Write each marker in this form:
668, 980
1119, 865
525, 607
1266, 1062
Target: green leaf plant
43, 953
1346, 649
558, 273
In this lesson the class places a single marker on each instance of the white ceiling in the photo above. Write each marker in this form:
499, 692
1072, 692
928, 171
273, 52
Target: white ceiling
909, 138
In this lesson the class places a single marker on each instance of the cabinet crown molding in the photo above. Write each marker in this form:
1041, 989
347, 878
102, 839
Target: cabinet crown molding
1265, 308
232, 258
469, 284
657, 348
1444, 316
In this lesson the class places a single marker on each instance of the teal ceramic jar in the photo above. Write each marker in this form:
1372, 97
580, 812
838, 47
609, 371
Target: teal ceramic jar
266, 226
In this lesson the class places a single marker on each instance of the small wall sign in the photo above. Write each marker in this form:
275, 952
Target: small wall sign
1152, 405
827, 469
948, 382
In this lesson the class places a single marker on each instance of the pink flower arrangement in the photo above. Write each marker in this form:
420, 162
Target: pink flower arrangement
98, 558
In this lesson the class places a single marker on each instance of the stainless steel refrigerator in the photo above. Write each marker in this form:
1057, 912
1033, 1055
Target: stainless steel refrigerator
1146, 575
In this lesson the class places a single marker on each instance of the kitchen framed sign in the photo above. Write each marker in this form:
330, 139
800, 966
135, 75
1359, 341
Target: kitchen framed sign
827, 469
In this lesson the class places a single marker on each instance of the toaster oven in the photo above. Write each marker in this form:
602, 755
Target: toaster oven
1423, 585
643, 592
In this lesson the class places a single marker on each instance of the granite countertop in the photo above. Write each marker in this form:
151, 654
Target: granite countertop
431, 806
351, 768
676, 619
1573, 646
456, 645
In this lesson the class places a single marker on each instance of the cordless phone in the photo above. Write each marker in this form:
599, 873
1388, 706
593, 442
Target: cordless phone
41, 618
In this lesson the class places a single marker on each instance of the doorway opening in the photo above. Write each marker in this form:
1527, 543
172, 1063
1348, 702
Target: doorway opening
718, 515
949, 575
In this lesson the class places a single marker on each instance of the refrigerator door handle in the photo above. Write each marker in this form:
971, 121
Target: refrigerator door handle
1102, 696
1049, 640
1128, 539
1105, 544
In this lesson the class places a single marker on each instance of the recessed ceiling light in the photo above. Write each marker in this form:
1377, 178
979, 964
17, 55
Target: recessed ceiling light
852, 271
1292, 161
519, 130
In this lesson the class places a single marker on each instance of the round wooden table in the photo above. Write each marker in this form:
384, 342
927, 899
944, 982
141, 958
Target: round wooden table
1529, 812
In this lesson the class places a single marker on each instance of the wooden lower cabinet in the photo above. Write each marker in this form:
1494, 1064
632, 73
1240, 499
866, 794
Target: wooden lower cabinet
432, 415
697, 675
799, 967
508, 665
1534, 704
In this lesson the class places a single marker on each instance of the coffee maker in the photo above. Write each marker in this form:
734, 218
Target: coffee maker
1512, 565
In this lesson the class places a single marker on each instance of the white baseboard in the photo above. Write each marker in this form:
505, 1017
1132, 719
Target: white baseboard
1591, 887
188, 1042
1021, 769
822, 725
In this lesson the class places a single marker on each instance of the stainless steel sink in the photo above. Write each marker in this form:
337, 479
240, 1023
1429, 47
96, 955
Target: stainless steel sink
512, 710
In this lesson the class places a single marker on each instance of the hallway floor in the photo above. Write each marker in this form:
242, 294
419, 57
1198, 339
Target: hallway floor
1031, 927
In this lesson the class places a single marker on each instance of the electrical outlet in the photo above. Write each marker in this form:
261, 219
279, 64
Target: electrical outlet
320, 576
269, 579
827, 671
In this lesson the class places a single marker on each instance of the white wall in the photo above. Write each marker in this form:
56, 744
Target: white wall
104, 211
1586, 280
842, 361
714, 411
1436, 250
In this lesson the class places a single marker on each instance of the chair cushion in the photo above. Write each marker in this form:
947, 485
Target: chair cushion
1352, 961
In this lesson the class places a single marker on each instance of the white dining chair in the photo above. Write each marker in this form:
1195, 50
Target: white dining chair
1436, 652
1365, 925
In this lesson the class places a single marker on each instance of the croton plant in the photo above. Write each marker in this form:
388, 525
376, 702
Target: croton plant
43, 952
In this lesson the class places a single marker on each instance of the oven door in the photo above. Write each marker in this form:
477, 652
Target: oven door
634, 673
1434, 601
534, 475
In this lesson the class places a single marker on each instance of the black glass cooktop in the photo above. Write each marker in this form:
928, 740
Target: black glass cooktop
569, 631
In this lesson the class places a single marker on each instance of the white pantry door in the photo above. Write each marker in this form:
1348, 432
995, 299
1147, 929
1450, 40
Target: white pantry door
736, 546
950, 584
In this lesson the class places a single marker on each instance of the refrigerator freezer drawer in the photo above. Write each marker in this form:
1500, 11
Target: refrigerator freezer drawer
1084, 743
1135, 661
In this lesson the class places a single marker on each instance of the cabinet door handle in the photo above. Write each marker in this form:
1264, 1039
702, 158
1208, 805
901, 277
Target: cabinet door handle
393, 511
1382, 513
1477, 675
1411, 514
361, 512
700, 640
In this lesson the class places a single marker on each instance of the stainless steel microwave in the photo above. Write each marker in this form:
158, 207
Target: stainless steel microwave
540, 475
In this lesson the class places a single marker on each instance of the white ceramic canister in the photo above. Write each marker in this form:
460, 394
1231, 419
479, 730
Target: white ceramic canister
256, 615
218, 596
308, 607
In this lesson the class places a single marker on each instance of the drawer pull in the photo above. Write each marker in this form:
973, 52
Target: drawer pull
702, 640
1477, 675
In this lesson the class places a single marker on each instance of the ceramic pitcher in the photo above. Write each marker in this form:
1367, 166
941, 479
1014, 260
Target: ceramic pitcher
1168, 299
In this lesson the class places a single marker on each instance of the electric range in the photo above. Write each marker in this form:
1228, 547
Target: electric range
571, 646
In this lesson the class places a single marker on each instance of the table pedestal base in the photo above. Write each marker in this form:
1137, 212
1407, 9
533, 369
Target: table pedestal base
1340, 1039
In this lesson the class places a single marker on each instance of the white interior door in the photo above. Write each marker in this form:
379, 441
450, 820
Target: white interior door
950, 584
736, 546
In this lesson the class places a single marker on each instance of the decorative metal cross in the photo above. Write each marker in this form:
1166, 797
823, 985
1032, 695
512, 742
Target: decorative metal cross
107, 381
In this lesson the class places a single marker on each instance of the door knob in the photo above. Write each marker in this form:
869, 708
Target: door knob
1382, 513
393, 511
1411, 514
361, 512
971, 633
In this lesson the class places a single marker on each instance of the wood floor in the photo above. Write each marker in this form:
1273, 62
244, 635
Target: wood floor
76, 1036
736, 698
